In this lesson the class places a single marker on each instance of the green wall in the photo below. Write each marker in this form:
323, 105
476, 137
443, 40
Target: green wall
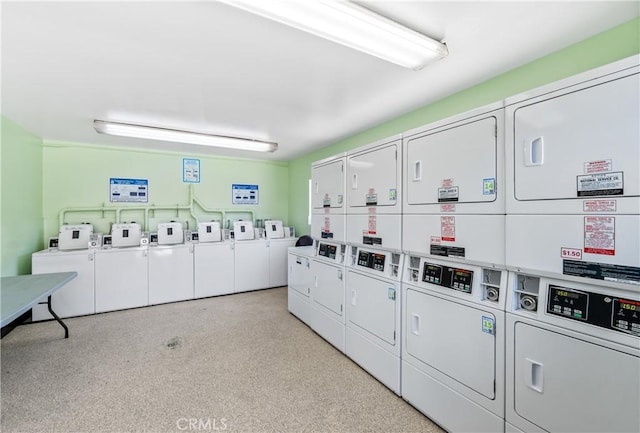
614, 44
76, 175
21, 198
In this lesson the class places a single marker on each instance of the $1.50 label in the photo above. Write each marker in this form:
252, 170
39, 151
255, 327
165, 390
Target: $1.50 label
571, 253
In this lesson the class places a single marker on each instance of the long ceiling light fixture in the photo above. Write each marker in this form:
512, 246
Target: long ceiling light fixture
177, 136
352, 25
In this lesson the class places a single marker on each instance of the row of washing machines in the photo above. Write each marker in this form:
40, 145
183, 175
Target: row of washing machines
487, 267
128, 268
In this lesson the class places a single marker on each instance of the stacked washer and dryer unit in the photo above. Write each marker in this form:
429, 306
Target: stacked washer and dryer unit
519, 260
573, 244
327, 315
374, 265
454, 276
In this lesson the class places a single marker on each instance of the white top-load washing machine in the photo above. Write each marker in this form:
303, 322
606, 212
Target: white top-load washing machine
328, 205
251, 258
373, 293
454, 188
572, 356
327, 315
573, 199
300, 281
453, 343
278, 242
121, 269
170, 265
374, 187
213, 261
77, 297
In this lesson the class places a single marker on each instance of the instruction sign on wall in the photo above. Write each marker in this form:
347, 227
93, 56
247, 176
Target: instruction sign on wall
128, 190
190, 170
244, 194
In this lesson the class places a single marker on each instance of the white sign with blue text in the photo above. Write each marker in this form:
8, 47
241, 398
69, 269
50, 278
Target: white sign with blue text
128, 190
244, 194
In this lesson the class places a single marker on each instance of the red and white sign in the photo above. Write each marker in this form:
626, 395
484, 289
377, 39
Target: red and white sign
448, 207
599, 205
571, 253
327, 224
372, 224
601, 166
448, 228
446, 183
600, 235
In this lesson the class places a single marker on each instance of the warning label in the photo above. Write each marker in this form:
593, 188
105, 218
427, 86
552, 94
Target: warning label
601, 166
446, 183
448, 207
599, 205
372, 225
448, 194
444, 251
600, 235
327, 224
600, 184
602, 271
448, 228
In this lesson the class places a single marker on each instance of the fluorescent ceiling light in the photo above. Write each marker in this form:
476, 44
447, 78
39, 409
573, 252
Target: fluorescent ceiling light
351, 25
173, 135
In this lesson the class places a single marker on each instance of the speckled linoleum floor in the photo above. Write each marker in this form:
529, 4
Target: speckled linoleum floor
238, 363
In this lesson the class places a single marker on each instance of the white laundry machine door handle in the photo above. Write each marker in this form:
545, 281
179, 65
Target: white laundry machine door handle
353, 297
534, 152
354, 181
534, 375
417, 171
415, 324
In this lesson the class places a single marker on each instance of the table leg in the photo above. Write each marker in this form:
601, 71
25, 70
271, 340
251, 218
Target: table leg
55, 316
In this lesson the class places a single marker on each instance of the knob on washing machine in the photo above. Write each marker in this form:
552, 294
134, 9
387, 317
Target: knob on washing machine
492, 294
528, 302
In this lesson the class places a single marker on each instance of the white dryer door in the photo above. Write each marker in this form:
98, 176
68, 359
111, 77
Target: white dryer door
452, 338
329, 287
371, 306
563, 384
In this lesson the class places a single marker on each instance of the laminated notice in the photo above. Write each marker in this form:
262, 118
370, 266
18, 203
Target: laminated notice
448, 194
600, 184
600, 235
599, 205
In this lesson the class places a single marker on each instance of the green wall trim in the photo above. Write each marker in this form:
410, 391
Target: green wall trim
614, 44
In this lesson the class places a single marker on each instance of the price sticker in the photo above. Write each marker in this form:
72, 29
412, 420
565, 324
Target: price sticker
571, 253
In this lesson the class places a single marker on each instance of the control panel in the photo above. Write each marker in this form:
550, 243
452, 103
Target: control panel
371, 260
327, 250
446, 276
610, 312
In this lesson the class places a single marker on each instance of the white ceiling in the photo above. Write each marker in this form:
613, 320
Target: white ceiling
209, 67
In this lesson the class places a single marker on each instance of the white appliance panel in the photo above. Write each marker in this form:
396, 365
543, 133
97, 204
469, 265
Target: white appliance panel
170, 233
327, 184
213, 273
328, 226
541, 244
74, 237
376, 230
328, 289
371, 307
373, 179
301, 277
449, 409
299, 306
170, 273
457, 165
574, 141
380, 363
121, 278
461, 349
209, 232
125, 235
251, 265
481, 236
278, 260
77, 297
274, 229
243, 230
562, 383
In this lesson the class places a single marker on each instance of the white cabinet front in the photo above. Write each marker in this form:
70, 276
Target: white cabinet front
121, 279
170, 273
213, 269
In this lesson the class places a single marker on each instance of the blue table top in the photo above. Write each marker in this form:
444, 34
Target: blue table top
21, 293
